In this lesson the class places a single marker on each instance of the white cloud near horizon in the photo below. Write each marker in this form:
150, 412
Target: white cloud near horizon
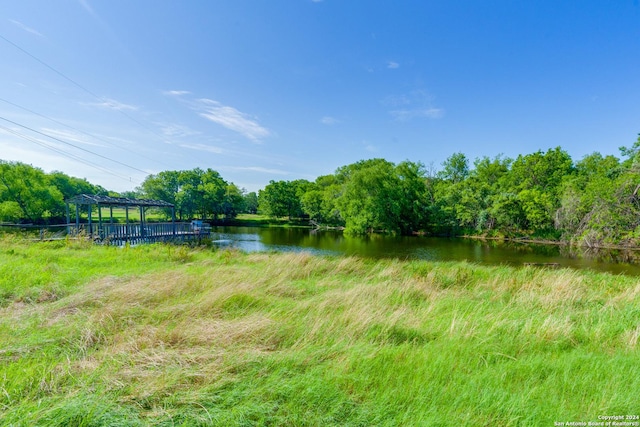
26, 28
232, 119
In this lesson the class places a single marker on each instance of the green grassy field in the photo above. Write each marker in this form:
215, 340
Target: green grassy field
173, 336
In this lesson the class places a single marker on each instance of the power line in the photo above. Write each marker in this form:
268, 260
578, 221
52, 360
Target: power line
69, 79
73, 145
79, 130
64, 153
49, 66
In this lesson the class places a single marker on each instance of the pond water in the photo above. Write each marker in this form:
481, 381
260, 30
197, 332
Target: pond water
253, 239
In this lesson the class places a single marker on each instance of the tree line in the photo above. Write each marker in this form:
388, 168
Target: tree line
542, 195
29, 195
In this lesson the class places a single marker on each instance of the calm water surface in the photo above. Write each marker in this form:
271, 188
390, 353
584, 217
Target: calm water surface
253, 239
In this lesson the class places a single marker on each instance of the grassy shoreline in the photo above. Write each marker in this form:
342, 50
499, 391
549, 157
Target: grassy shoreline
165, 335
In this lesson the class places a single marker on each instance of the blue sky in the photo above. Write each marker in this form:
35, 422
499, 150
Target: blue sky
289, 89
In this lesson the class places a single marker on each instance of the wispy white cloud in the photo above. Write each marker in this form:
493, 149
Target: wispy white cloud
414, 105
397, 100
392, 65
69, 136
327, 120
15, 133
87, 6
428, 113
204, 147
232, 119
25, 28
371, 148
113, 105
176, 92
258, 169
172, 130
317, 1
224, 115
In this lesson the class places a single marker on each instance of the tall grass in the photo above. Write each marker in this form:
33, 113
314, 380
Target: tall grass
160, 335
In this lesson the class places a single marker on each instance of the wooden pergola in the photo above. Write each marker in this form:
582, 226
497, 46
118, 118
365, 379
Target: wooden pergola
129, 232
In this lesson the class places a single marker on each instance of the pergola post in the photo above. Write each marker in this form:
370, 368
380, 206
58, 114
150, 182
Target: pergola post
142, 233
111, 228
90, 224
126, 215
173, 219
99, 221
68, 219
120, 234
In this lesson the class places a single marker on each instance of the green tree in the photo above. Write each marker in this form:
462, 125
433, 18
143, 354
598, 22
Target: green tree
10, 211
600, 203
319, 201
412, 195
377, 195
214, 191
368, 202
471, 202
585, 191
542, 171
537, 180
251, 203
190, 197
30, 190
632, 154
283, 198
455, 168
234, 201
195, 192
69, 187
538, 208
163, 186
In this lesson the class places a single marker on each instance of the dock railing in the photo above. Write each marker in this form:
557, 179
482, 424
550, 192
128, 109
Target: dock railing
150, 232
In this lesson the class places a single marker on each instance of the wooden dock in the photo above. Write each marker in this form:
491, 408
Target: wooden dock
112, 233
138, 233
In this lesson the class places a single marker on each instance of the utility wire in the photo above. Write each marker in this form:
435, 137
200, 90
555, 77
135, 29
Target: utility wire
99, 98
79, 130
73, 145
49, 66
64, 153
